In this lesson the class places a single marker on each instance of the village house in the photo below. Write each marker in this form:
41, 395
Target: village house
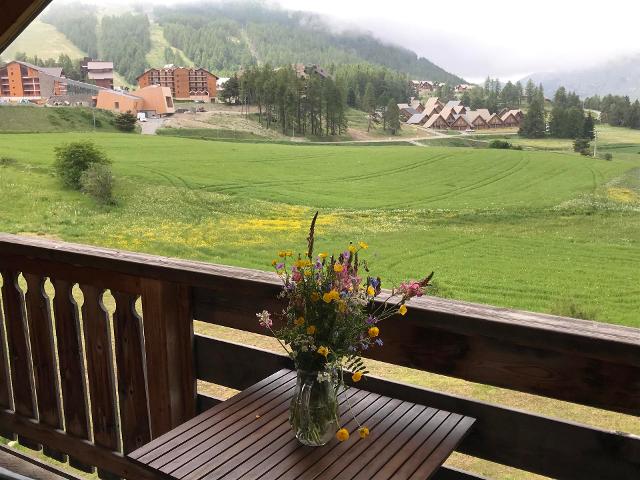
476, 119
495, 121
184, 83
406, 111
437, 122
512, 118
460, 123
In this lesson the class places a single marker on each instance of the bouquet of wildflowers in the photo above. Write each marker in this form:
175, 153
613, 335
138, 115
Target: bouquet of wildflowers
331, 316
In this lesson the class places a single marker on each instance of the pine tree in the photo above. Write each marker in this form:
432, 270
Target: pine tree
369, 103
533, 124
588, 130
392, 117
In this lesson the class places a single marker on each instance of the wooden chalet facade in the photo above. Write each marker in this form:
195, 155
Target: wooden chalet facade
436, 122
460, 123
495, 121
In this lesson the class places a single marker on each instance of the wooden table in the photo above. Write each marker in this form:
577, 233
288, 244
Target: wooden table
249, 437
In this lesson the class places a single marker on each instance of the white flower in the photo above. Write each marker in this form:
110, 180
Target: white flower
264, 318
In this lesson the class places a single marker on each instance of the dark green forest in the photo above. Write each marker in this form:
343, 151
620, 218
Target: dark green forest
123, 39
79, 23
226, 37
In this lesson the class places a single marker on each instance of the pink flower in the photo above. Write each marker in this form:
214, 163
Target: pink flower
411, 289
296, 276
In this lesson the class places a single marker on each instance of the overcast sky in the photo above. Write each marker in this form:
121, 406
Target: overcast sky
502, 38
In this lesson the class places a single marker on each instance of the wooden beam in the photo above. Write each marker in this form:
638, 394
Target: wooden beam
16, 16
83, 450
519, 439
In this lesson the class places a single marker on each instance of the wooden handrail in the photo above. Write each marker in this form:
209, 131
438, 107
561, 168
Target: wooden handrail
580, 361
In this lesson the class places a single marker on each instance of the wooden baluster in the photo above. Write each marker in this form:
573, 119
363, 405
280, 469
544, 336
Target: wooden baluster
5, 384
134, 416
43, 357
70, 362
97, 339
168, 334
20, 359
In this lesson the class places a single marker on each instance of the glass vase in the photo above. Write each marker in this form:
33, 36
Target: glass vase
313, 413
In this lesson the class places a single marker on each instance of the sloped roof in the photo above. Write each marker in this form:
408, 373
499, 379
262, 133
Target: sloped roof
453, 103
100, 75
472, 115
462, 118
433, 119
53, 71
417, 118
409, 110
459, 108
431, 102
507, 114
495, 115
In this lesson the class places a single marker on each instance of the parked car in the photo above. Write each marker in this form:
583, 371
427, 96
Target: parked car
470, 130
198, 101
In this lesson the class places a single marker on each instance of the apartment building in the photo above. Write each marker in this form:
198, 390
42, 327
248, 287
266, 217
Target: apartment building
185, 83
99, 72
24, 81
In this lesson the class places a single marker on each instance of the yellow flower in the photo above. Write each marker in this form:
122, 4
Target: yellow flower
324, 351
402, 310
363, 245
342, 435
342, 306
323, 255
337, 267
311, 329
352, 248
371, 291
356, 377
282, 254
288, 253
364, 432
274, 262
330, 296
315, 296
374, 332
307, 273
299, 321
298, 263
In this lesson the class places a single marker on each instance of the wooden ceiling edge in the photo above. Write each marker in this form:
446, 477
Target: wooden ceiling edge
30, 11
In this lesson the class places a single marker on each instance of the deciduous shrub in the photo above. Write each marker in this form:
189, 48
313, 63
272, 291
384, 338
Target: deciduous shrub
73, 159
6, 161
501, 144
126, 122
98, 182
581, 146
608, 156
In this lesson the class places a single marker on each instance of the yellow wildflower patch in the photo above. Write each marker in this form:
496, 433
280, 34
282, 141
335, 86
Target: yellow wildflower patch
623, 195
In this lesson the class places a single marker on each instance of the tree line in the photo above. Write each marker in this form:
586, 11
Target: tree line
616, 110
310, 105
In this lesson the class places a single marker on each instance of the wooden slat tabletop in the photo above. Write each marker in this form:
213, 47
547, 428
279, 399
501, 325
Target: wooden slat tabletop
249, 437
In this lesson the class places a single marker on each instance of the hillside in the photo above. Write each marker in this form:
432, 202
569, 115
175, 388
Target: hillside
23, 118
618, 77
222, 37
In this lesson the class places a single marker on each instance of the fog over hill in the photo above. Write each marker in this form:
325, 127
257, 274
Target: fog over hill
618, 77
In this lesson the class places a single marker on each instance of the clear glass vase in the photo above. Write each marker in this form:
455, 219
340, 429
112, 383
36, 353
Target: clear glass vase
313, 413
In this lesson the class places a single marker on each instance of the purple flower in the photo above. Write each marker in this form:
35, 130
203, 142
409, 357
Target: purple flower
379, 342
346, 255
371, 320
279, 266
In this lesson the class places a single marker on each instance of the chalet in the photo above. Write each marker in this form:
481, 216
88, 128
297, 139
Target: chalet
460, 123
462, 87
437, 122
448, 114
423, 86
476, 119
495, 121
512, 118
453, 103
416, 104
406, 112
460, 110
433, 104
418, 119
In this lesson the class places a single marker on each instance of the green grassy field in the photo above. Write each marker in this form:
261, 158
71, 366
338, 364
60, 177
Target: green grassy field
539, 231
21, 118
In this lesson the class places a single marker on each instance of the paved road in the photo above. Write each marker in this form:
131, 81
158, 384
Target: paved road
151, 125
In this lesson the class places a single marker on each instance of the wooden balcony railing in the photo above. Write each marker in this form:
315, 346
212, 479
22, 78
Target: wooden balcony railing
93, 386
